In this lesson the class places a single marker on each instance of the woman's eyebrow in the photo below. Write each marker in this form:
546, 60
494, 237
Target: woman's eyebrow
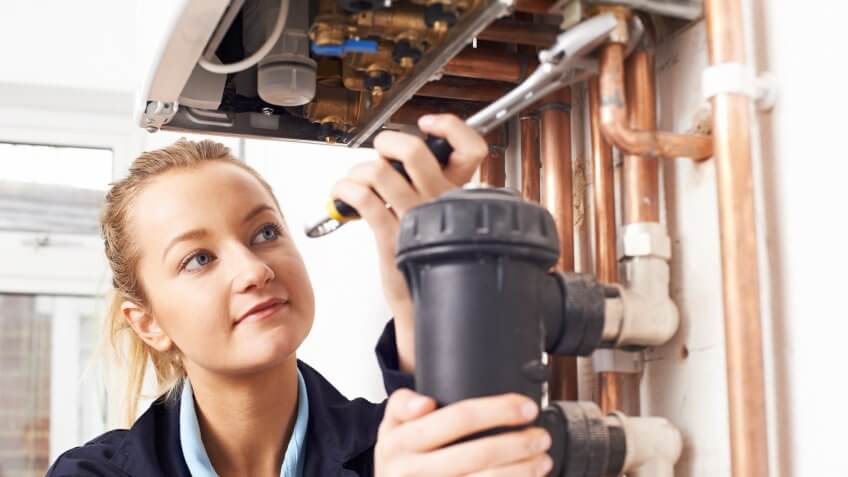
256, 211
200, 233
190, 235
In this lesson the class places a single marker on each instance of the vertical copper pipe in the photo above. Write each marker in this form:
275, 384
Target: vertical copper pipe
493, 167
641, 173
740, 278
530, 163
555, 124
604, 194
610, 385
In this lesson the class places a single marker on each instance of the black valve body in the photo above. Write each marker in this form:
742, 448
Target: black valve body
475, 261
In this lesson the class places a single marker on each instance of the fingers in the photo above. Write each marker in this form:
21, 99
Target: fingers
536, 466
493, 452
371, 208
403, 406
388, 183
417, 159
453, 422
469, 147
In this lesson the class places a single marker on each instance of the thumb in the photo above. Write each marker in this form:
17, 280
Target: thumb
405, 405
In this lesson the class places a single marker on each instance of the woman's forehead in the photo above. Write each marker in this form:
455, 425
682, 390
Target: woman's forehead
181, 197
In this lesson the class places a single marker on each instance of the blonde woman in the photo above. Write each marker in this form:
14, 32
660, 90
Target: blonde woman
211, 290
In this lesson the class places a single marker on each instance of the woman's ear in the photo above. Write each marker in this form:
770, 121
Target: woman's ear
144, 325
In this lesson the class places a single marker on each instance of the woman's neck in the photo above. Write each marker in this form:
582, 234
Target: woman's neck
246, 421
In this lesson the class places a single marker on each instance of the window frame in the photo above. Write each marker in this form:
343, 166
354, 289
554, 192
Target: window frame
29, 269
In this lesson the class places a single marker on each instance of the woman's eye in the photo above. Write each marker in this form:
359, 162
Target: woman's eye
197, 261
267, 233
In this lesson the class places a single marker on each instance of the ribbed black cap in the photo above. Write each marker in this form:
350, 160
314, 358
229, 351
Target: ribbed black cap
486, 220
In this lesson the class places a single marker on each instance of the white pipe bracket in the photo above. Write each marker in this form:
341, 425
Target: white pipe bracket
617, 361
738, 78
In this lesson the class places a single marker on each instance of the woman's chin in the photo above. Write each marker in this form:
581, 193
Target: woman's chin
266, 351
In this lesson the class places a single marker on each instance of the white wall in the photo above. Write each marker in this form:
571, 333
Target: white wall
685, 380
803, 176
71, 44
350, 311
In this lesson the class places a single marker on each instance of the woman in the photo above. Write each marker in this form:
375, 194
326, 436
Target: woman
210, 288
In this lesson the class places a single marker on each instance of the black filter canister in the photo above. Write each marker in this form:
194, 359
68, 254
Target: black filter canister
476, 262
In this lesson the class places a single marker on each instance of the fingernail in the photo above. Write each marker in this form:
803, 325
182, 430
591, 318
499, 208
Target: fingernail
426, 120
417, 403
546, 465
529, 410
542, 443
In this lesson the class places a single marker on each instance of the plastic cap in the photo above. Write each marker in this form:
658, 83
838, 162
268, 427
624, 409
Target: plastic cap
287, 83
483, 219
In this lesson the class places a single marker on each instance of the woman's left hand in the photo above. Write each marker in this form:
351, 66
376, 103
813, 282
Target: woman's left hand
371, 185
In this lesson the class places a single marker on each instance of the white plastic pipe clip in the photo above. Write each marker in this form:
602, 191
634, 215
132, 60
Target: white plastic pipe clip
617, 361
737, 78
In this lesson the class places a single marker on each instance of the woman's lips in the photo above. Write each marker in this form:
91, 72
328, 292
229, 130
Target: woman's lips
263, 310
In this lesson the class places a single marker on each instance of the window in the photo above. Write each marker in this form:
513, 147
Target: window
51, 399
77, 167
52, 276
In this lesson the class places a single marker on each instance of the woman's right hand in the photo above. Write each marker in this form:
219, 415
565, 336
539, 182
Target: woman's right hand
416, 439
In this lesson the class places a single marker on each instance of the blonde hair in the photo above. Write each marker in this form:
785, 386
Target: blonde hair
122, 253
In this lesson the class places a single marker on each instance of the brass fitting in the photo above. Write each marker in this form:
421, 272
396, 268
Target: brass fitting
329, 30
392, 23
339, 106
358, 66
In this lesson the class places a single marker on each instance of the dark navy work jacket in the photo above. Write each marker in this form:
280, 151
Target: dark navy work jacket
340, 436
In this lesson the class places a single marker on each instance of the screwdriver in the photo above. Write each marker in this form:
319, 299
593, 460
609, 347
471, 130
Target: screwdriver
562, 64
340, 212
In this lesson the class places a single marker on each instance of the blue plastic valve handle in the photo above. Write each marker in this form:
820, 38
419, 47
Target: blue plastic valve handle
349, 46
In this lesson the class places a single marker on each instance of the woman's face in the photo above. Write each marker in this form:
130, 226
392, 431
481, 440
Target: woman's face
214, 247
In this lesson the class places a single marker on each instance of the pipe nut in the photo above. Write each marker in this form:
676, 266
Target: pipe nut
644, 240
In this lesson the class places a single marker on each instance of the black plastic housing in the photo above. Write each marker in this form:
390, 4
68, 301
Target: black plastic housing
476, 261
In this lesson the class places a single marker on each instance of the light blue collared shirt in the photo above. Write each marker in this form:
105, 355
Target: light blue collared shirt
195, 454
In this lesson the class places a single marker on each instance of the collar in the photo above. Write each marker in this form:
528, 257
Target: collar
338, 432
195, 454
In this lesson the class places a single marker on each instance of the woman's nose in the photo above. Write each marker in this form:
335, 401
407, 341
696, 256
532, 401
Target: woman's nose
251, 272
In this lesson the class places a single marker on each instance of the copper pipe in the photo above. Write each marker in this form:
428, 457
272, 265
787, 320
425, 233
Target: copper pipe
740, 279
522, 33
530, 162
412, 110
493, 167
606, 264
614, 121
491, 63
534, 6
641, 173
555, 124
464, 89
